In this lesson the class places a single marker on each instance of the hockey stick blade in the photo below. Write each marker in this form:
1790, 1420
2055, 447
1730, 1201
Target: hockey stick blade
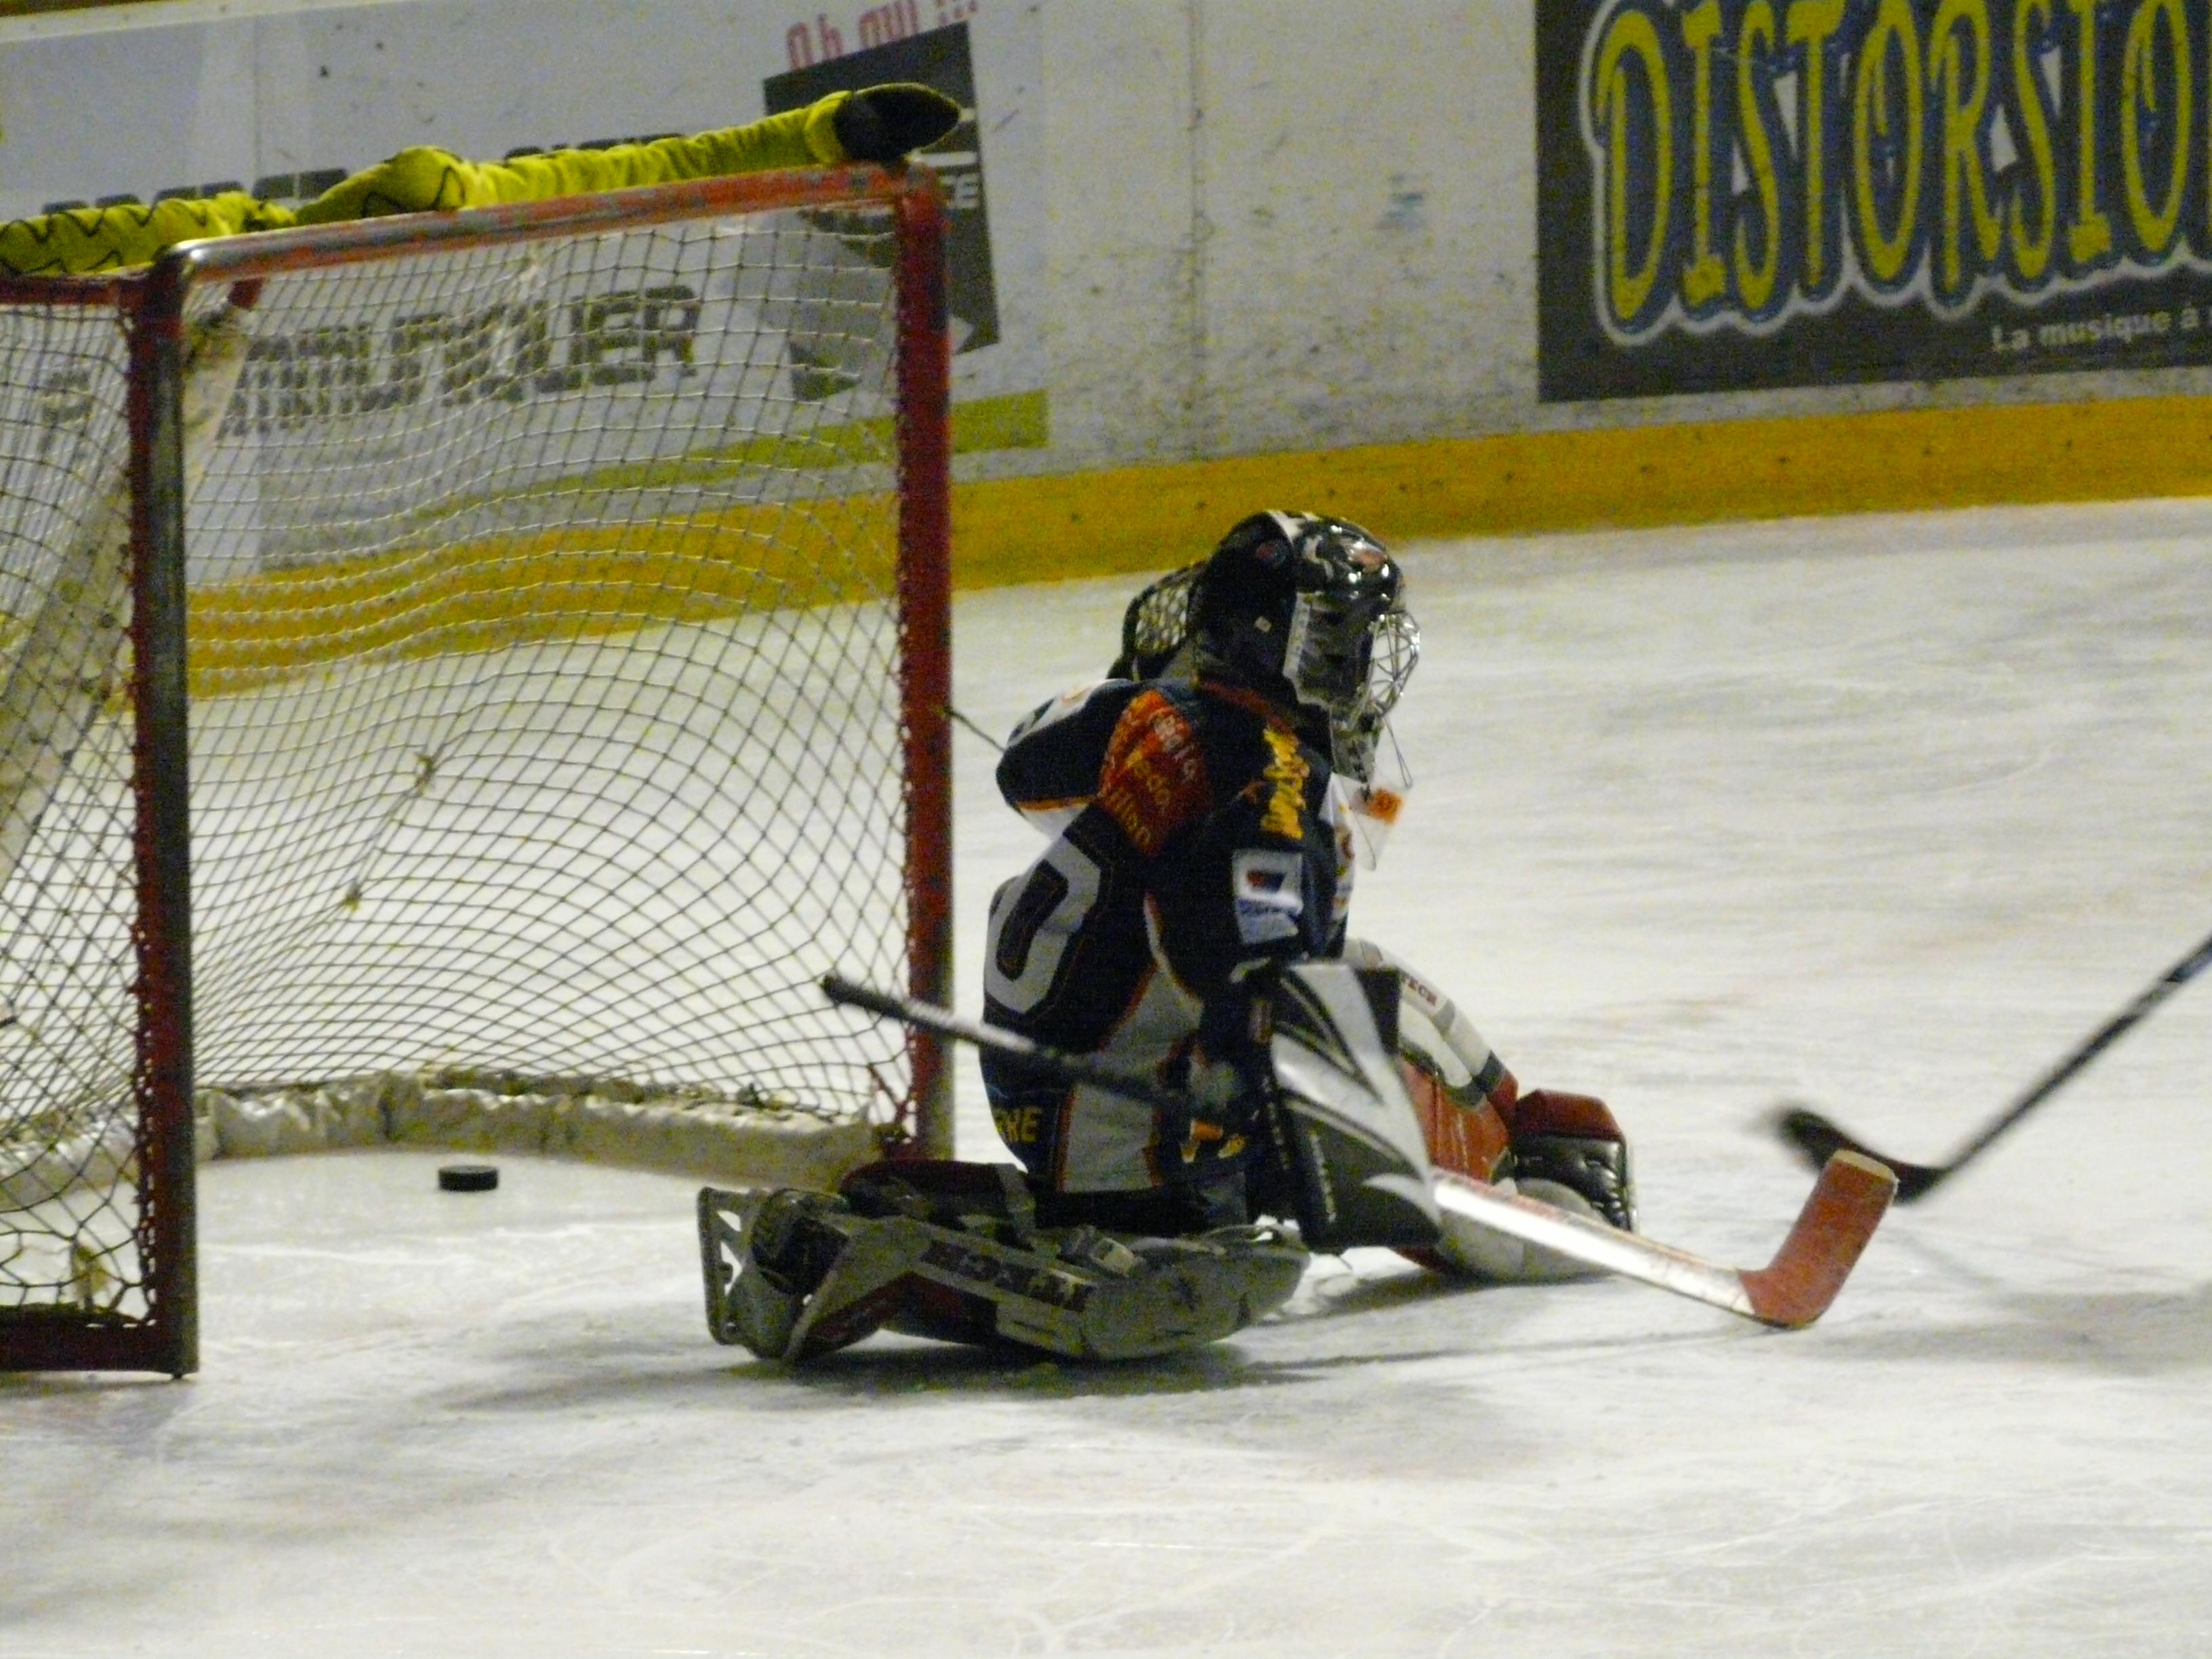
1817, 1138
1846, 1204
1796, 1288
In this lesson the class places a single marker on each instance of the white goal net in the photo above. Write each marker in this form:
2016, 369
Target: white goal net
564, 646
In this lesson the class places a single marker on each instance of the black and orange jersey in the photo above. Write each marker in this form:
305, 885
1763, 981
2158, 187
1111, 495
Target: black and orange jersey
1194, 834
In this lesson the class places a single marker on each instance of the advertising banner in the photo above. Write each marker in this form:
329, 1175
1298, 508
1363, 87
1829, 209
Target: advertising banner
1758, 193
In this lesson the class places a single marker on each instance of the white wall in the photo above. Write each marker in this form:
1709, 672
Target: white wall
1218, 226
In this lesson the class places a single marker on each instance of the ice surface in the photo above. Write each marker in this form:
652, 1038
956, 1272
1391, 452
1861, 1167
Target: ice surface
1884, 815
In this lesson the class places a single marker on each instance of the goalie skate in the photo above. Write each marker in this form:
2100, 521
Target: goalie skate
794, 1275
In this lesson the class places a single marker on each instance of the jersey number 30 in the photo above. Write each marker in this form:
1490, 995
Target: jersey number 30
1032, 920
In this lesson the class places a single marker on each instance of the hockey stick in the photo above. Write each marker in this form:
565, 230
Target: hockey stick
1819, 1139
72, 648
1069, 1067
1796, 1288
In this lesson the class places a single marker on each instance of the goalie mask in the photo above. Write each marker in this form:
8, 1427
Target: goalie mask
1310, 611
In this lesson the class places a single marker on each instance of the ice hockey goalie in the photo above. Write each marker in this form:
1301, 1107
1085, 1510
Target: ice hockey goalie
958, 1251
1205, 807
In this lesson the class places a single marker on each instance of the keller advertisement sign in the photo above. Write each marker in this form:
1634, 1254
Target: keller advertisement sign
1760, 193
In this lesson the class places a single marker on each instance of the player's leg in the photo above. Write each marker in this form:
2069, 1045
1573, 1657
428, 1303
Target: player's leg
952, 1251
1566, 1149
1095, 1159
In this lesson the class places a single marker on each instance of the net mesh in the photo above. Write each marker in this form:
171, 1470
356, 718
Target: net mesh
544, 720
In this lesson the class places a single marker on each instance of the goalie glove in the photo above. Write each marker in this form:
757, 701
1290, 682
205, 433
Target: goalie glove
881, 124
1225, 1072
1568, 1150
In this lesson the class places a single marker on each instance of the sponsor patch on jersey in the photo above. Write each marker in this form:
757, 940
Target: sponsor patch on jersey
1286, 772
1154, 780
1269, 897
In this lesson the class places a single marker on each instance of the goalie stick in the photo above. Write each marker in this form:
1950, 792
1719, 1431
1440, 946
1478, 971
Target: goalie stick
1796, 1288
66, 668
1817, 1139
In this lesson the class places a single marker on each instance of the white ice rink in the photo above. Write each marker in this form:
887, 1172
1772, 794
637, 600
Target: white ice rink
1884, 815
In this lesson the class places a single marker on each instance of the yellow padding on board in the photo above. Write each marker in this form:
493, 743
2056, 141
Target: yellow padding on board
1138, 518
495, 592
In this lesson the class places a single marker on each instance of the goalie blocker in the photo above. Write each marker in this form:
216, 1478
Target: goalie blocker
952, 1250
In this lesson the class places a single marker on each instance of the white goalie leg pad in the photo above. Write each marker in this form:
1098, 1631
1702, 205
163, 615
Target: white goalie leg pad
1429, 1021
1432, 1025
795, 1275
1348, 1149
1087, 1295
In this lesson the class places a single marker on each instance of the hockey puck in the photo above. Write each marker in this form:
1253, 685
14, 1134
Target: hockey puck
467, 1177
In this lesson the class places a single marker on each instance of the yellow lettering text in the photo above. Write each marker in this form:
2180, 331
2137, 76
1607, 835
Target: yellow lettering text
2155, 222
1754, 283
1630, 52
1812, 24
1887, 124
2031, 249
1287, 771
1705, 278
1959, 60
2089, 237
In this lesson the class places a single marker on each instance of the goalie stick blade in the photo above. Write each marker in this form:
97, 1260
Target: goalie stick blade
1817, 1139
1846, 1205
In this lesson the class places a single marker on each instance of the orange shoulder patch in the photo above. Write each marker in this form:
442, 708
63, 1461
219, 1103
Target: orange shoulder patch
1153, 782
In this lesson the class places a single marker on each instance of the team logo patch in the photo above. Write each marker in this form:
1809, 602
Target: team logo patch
1270, 899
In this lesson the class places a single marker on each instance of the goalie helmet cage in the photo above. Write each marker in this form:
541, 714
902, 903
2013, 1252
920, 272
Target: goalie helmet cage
567, 591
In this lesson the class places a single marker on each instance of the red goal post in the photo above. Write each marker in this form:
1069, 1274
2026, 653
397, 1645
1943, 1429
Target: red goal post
536, 677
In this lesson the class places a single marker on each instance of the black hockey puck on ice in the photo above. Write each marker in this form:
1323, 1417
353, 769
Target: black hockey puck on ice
467, 1177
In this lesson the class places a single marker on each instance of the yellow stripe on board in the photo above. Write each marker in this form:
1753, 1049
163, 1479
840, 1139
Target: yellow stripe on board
1139, 518
1019, 421
576, 582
